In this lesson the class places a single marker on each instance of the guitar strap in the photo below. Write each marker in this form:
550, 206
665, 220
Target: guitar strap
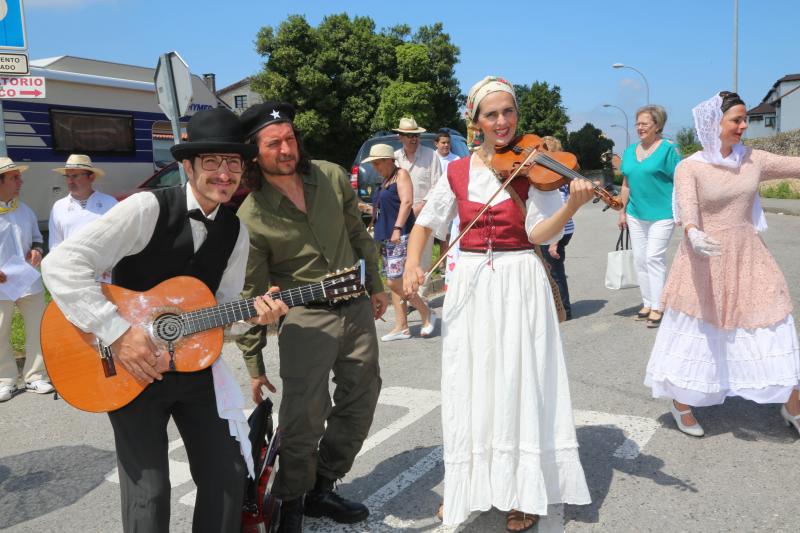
560, 310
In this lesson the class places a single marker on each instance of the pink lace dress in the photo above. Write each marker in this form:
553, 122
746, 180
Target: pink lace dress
727, 328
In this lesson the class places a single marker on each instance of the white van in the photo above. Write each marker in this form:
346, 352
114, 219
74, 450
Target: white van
106, 110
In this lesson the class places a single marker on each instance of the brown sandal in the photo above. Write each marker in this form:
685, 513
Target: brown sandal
440, 512
526, 520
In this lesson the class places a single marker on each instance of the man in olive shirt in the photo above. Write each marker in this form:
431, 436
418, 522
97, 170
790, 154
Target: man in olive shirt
304, 223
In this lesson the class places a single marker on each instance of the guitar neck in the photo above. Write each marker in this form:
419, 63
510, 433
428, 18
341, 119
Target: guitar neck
224, 314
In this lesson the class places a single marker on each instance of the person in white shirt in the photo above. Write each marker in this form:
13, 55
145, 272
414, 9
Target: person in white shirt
82, 205
423, 166
148, 238
20, 243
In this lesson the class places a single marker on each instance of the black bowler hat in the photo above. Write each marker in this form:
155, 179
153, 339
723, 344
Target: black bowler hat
261, 115
214, 131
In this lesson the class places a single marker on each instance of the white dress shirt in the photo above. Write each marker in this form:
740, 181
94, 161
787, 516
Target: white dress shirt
19, 229
425, 170
67, 215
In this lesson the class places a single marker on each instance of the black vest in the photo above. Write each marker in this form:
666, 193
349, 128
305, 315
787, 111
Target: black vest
170, 251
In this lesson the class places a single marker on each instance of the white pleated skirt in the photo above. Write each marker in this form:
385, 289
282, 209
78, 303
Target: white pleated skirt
699, 364
509, 435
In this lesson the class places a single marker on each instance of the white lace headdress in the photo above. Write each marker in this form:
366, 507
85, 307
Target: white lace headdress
707, 123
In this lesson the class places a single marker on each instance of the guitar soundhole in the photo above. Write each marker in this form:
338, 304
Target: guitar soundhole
168, 327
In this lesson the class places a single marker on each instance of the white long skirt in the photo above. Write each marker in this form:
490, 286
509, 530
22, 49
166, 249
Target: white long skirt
699, 364
509, 436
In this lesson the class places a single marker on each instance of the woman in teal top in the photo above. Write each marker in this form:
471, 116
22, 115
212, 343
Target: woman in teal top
648, 168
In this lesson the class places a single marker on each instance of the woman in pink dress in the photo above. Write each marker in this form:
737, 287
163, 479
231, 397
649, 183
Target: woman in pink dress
727, 328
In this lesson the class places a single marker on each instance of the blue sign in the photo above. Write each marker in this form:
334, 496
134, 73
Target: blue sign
12, 25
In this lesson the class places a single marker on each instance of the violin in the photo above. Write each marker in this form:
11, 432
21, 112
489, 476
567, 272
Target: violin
546, 170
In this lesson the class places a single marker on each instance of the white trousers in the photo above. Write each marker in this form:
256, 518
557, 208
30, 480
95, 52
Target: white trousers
32, 308
650, 240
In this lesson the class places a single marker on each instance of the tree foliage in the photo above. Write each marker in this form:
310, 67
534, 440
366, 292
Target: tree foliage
687, 141
541, 111
589, 144
347, 79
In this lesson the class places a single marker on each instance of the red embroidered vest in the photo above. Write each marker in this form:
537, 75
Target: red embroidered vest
501, 227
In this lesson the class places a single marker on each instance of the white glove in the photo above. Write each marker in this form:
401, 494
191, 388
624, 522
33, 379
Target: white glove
702, 244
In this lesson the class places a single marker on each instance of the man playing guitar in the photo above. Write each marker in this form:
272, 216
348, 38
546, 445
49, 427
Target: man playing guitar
146, 239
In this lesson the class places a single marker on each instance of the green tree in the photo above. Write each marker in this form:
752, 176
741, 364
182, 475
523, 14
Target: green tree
541, 111
589, 144
687, 141
347, 79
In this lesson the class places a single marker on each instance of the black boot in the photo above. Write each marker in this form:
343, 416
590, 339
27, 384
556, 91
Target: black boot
291, 516
323, 501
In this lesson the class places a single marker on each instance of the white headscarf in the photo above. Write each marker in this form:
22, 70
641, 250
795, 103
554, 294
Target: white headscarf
707, 123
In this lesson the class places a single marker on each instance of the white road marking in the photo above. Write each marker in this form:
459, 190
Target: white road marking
419, 402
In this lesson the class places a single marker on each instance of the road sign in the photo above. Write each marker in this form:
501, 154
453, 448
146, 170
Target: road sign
12, 25
173, 85
22, 86
13, 64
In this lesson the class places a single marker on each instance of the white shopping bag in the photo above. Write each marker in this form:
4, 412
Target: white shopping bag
620, 270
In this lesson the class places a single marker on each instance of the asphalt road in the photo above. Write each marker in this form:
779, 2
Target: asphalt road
57, 465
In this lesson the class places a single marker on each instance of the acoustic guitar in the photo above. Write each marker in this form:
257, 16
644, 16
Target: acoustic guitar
183, 320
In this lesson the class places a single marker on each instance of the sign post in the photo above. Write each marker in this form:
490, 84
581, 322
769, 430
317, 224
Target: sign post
12, 37
174, 91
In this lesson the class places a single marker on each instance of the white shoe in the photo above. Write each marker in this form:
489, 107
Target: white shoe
695, 431
427, 330
396, 336
40, 386
789, 419
7, 392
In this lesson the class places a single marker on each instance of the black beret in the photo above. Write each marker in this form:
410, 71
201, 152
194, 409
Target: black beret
260, 115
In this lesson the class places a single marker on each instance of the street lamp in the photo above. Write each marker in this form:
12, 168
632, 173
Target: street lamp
646, 85
627, 136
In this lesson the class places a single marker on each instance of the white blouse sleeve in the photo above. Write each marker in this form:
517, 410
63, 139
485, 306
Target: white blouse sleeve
542, 205
439, 210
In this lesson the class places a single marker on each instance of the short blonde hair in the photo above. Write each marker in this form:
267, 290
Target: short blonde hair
552, 144
657, 113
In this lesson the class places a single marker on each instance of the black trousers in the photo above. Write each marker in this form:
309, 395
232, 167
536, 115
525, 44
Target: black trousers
216, 464
558, 272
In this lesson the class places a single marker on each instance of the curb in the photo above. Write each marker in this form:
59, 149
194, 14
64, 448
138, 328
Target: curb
782, 210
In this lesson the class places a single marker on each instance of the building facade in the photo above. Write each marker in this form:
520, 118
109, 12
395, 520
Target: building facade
239, 96
778, 111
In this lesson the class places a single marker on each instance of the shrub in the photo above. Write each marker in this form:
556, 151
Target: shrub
781, 190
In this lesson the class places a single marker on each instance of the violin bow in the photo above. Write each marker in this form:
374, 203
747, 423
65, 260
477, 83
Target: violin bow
503, 186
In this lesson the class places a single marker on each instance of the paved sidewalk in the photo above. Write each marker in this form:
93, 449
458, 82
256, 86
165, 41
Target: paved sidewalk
781, 207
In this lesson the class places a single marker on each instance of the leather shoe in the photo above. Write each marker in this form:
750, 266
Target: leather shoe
695, 431
329, 504
291, 520
789, 419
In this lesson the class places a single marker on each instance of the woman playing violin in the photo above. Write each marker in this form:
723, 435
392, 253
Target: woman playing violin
509, 439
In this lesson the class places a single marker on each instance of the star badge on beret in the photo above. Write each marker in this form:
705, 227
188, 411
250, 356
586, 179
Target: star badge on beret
275, 114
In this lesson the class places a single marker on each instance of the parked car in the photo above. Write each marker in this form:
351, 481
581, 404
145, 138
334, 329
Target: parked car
169, 176
364, 179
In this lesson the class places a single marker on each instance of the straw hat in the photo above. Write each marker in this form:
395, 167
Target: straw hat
7, 165
379, 151
408, 125
80, 162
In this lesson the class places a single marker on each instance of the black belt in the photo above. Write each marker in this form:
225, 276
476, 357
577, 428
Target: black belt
484, 250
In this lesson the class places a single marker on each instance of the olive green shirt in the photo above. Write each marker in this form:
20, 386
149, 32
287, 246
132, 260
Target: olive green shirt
289, 248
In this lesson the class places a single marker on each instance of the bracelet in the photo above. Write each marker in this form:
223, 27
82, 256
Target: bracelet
399, 228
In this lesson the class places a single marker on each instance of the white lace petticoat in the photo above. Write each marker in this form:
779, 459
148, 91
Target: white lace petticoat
699, 364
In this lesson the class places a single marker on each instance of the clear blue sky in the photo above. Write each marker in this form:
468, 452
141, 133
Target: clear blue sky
684, 47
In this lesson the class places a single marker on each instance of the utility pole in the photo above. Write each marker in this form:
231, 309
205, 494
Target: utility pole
735, 46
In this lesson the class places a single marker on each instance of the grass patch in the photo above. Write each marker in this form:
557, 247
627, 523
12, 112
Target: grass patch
782, 190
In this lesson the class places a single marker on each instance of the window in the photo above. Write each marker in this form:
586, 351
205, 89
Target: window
240, 102
92, 132
769, 122
755, 118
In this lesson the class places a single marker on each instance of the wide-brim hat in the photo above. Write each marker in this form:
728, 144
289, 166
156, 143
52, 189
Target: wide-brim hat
379, 151
7, 165
257, 117
80, 162
408, 125
214, 131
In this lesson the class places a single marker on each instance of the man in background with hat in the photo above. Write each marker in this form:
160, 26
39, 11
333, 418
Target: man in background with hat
82, 205
304, 223
20, 253
148, 238
424, 167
